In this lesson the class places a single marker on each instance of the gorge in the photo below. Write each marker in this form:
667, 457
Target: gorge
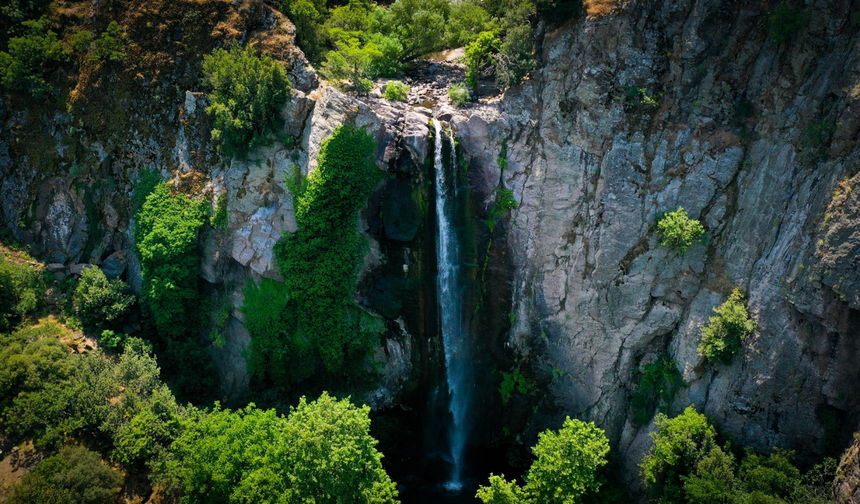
490, 265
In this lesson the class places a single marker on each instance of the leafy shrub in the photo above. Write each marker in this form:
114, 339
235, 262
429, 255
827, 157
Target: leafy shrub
784, 22
308, 17
726, 330
466, 21
565, 470
110, 46
253, 455
320, 261
247, 93
480, 54
166, 238
514, 380
714, 478
657, 384
410, 19
21, 292
219, 217
459, 95
388, 62
33, 363
640, 96
14, 12
76, 475
149, 432
101, 302
516, 56
29, 56
503, 203
396, 91
678, 231
352, 61
111, 339
679, 445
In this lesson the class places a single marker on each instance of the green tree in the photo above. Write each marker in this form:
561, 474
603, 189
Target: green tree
322, 453
247, 91
338, 433
678, 231
166, 238
516, 56
308, 17
480, 54
76, 475
679, 445
501, 491
100, 302
29, 56
567, 463
410, 19
727, 329
459, 95
565, 469
714, 480
21, 291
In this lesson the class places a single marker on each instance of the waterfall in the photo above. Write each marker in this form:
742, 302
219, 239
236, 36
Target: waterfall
450, 301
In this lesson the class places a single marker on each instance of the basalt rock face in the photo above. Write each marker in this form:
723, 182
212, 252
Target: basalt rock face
668, 104
847, 485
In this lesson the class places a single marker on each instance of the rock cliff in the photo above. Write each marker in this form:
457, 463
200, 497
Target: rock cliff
654, 106
731, 132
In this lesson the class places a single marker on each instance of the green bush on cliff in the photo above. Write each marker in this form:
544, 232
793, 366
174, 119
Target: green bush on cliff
29, 56
395, 91
565, 470
727, 329
678, 231
166, 237
320, 262
784, 22
657, 384
247, 91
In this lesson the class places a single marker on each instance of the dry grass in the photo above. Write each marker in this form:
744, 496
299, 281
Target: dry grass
600, 8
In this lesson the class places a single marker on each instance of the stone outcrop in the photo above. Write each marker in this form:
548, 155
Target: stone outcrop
847, 485
725, 135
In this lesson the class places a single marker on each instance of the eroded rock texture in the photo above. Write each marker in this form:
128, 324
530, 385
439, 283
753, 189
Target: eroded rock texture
729, 132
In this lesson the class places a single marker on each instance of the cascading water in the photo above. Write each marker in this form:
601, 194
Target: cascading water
450, 302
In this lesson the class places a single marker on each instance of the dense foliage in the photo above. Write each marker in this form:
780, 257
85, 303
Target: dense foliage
658, 382
459, 95
320, 261
322, 450
395, 91
564, 471
166, 238
120, 407
101, 303
678, 231
29, 56
75, 475
686, 464
247, 91
727, 329
21, 291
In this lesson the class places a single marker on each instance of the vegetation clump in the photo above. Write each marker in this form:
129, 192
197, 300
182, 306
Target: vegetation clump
395, 91
678, 231
658, 382
101, 303
727, 329
23, 65
74, 475
166, 238
459, 95
247, 91
565, 470
21, 291
311, 319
